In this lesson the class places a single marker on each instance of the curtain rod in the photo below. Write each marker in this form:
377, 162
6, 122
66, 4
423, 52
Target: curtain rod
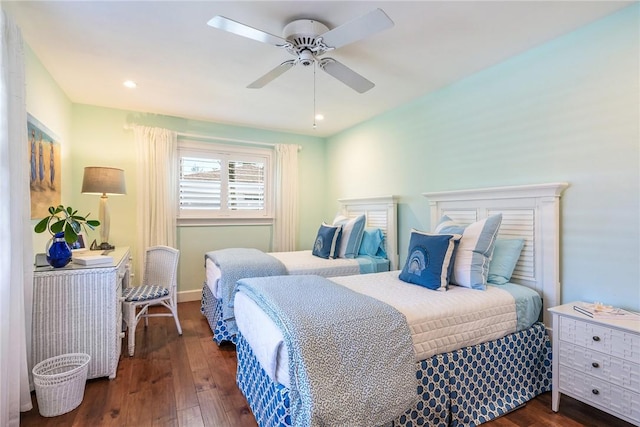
217, 138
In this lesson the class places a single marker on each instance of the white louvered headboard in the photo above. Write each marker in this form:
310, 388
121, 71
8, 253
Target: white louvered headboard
381, 212
531, 212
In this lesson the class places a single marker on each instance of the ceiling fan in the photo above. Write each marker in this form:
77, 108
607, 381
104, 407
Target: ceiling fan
308, 40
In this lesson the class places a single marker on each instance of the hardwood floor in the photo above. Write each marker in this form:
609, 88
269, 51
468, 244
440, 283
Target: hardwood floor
190, 381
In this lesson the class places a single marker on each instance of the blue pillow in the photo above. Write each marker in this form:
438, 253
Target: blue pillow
327, 241
471, 267
430, 259
351, 237
505, 257
372, 243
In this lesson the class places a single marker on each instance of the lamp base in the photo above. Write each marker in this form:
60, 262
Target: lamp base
104, 246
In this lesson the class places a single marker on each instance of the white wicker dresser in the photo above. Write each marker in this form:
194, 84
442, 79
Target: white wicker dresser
78, 309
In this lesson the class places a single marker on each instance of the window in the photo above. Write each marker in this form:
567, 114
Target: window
224, 182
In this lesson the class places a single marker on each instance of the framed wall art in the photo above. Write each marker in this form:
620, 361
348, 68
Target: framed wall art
45, 167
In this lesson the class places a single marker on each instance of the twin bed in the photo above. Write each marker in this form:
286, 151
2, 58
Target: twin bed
472, 355
380, 214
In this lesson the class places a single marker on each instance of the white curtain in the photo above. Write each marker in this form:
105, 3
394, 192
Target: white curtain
285, 231
157, 184
16, 253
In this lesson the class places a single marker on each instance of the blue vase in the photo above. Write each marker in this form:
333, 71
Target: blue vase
58, 251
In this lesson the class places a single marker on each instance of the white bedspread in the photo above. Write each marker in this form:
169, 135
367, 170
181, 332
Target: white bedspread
296, 262
439, 321
304, 262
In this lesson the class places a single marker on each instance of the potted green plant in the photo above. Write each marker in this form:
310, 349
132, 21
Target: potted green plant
64, 224
67, 221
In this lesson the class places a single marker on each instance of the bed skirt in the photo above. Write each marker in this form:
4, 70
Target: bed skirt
465, 387
211, 308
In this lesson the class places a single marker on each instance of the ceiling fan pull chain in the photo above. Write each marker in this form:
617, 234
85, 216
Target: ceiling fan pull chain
314, 95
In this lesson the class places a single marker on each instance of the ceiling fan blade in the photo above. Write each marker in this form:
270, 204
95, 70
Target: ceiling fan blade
357, 29
226, 24
271, 75
346, 75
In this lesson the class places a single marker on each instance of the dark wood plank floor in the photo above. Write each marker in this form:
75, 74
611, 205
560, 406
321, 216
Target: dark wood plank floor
190, 381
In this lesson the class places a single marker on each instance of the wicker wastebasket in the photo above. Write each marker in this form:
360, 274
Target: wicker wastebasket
60, 382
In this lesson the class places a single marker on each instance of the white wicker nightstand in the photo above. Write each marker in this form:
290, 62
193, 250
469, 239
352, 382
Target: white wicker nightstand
78, 309
596, 361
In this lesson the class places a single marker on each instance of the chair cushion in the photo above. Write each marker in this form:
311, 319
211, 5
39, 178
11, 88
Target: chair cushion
143, 293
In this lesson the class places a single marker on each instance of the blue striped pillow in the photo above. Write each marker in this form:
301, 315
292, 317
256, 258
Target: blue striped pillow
471, 266
352, 231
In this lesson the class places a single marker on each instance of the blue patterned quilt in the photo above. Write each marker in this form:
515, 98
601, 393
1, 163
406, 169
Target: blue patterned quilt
350, 356
236, 264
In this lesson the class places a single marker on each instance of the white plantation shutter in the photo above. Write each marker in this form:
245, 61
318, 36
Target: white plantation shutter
246, 185
199, 183
224, 182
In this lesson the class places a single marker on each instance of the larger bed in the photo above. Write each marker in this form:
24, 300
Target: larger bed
476, 354
380, 214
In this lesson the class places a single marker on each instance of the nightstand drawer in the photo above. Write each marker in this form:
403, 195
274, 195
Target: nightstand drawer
618, 371
600, 338
600, 393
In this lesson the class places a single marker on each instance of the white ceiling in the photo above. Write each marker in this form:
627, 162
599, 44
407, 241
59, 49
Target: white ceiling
187, 69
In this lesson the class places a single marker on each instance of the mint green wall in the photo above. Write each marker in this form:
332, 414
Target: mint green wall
567, 110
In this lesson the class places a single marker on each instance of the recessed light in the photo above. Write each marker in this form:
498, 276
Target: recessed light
130, 84
319, 117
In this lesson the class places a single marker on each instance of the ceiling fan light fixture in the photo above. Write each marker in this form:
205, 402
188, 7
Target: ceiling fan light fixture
306, 58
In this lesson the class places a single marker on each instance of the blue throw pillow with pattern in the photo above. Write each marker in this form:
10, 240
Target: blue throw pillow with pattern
430, 259
327, 241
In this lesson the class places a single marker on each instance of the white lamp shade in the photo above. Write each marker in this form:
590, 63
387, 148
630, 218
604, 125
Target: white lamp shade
103, 180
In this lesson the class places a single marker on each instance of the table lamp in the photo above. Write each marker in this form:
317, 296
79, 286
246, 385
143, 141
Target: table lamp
103, 181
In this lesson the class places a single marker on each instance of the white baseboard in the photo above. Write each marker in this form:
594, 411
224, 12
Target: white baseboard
186, 296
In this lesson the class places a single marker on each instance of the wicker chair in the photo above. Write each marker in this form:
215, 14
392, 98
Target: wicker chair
159, 287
